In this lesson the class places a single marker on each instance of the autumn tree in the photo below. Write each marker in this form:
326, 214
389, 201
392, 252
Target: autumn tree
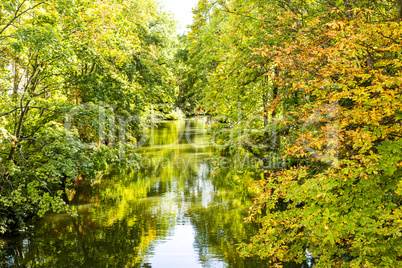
325, 78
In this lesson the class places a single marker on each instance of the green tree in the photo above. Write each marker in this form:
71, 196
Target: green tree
71, 96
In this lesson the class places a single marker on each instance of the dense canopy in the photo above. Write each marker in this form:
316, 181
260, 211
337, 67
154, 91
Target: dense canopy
308, 91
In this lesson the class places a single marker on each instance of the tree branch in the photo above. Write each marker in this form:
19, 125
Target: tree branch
16, 15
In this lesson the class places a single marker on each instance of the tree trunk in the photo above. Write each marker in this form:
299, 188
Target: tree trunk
17, 132
399, 3
265, 100
16, 80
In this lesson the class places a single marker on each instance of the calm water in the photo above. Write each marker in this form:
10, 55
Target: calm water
170, 213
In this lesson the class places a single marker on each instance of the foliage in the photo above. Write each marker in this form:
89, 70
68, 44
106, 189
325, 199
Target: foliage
174, 115
312, 89
190, 74
309, 90
125, 217
72, 94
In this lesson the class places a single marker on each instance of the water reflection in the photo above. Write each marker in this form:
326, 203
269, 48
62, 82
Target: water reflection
176, 251
169, 213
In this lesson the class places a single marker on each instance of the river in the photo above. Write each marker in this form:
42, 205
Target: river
168, 212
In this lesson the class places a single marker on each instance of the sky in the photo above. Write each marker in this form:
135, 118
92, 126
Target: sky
182, 11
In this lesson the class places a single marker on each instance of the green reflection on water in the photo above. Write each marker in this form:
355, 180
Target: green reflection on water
169, 213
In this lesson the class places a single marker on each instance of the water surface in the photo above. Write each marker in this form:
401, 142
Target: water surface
171, 212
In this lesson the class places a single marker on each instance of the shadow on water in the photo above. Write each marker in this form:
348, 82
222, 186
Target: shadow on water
169, 213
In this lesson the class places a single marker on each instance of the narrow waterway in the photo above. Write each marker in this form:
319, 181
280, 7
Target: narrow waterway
168, 212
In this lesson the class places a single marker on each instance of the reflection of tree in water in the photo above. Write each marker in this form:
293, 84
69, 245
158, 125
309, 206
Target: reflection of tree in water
86, 242
190, 133
219, 228
115, 232
123, 216
219, 224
